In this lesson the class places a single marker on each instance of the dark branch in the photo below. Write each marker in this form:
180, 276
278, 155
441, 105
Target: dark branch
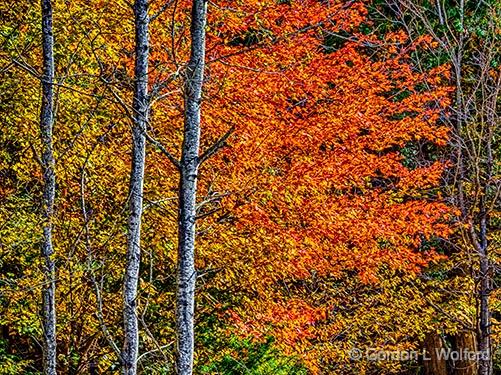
216, 146
164, 151
161, 10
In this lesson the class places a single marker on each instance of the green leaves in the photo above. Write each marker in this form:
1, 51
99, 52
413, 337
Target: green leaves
253, 358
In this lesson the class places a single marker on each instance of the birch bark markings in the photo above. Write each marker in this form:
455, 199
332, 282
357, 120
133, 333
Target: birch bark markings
140, 119
49, 188
186, 277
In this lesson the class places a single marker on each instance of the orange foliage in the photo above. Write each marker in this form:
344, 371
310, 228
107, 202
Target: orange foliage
314, 182
314, 186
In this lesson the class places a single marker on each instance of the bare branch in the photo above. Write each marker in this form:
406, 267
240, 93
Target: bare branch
161, 10
216, 146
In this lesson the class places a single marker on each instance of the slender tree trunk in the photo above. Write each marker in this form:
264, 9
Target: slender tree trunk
140, 121
484, 319
186, 277
479, 241
49, 189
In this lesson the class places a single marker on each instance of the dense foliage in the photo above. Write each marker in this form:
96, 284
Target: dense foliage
326, 220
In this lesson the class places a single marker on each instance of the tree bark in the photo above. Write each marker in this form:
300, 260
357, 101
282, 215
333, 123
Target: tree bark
434, 365
186, 277
484, 319
464, 341
140, 120
49, 189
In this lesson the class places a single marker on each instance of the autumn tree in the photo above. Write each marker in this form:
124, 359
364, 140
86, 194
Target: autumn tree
313, 219
86, 131
467, 34
289, 186
317, 180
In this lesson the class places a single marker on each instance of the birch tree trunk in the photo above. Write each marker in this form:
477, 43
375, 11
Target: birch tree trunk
186, 277
49, 188
140, 120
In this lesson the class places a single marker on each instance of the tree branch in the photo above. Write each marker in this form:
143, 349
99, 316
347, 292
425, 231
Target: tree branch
149, 138
216, 146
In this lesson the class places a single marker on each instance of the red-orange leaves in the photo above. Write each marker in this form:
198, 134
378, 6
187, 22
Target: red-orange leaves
326, 172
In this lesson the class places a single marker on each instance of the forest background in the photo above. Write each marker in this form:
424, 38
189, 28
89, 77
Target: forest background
341, 160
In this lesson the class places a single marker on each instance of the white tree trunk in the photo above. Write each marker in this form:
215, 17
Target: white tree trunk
186, 277
49, 188
140, 120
